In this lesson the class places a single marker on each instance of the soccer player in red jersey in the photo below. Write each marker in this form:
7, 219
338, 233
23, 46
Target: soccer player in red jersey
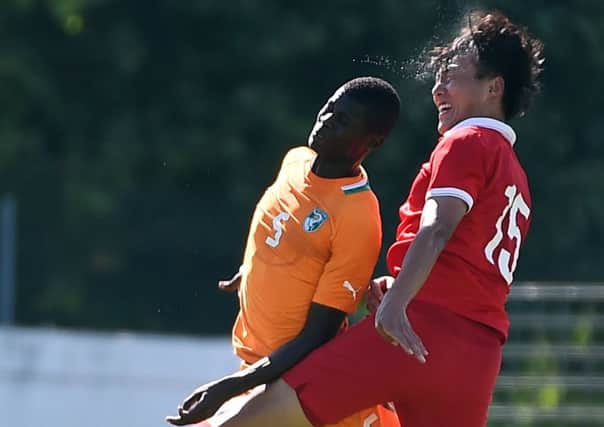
452, 263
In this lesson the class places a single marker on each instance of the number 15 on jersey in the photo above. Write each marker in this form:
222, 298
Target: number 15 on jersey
515, 206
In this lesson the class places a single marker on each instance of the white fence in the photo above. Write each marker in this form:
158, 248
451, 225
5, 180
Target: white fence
56, 378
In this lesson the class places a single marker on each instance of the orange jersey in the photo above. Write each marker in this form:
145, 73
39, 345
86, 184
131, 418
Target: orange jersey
311, 239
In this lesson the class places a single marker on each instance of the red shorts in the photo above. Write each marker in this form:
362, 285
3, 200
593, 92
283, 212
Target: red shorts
359, 369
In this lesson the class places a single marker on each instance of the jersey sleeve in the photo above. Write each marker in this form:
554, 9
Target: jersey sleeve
457, 168
355, 249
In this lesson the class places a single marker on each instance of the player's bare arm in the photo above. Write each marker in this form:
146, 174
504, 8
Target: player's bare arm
322, 324
440, 218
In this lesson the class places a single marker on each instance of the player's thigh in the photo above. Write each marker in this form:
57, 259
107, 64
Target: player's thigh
445, 409
277, 405
232, 407
465, 414
465, 358
377, 416
356, 370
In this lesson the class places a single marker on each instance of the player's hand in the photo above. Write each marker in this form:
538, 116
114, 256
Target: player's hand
232, 284
393, 325
202, 403
376, 291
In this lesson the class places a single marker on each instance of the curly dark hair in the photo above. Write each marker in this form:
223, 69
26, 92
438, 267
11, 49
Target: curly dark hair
500, 48
381, 98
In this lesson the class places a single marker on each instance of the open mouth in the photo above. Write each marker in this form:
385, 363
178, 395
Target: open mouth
443, 109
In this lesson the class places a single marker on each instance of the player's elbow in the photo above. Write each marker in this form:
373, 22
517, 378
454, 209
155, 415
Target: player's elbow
317, 337
437, 234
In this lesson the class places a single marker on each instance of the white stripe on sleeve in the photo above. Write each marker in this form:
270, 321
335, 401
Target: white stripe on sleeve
452, 192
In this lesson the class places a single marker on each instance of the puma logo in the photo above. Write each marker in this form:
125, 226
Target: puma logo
352, 290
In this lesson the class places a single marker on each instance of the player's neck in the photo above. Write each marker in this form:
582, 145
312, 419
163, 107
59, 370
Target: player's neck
333, 169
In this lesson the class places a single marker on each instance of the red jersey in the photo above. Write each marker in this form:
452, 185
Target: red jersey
474, 161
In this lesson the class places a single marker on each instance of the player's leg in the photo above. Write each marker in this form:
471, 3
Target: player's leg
231, 407
354, 371
277, 405
378, 416
359, 369
447, 410
465, 360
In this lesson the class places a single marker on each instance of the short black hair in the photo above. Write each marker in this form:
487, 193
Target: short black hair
380, 97
499, 48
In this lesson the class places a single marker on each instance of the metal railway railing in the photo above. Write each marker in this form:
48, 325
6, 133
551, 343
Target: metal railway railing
556, 350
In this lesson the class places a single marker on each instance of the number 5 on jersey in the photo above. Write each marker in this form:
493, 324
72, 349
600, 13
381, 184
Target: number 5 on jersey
516, 205
273, 241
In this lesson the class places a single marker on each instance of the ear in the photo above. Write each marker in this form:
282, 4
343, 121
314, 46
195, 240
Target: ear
497, 87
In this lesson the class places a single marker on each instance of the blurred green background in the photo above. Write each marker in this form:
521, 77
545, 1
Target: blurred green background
137, 136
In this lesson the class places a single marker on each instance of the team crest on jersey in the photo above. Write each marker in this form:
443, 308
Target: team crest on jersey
314, 220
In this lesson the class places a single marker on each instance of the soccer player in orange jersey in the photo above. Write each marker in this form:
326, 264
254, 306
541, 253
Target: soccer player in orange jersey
313, 243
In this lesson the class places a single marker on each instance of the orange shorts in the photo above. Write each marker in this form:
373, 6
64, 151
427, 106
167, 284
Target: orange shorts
378, 416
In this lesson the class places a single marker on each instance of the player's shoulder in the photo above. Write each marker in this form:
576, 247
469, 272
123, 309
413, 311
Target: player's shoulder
360, 204
477, 133
361, 222
471, 137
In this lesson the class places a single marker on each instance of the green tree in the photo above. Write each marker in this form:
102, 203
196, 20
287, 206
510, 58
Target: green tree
138, 137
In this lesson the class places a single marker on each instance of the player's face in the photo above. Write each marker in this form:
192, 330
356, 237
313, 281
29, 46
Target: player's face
458, 94
341, 127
